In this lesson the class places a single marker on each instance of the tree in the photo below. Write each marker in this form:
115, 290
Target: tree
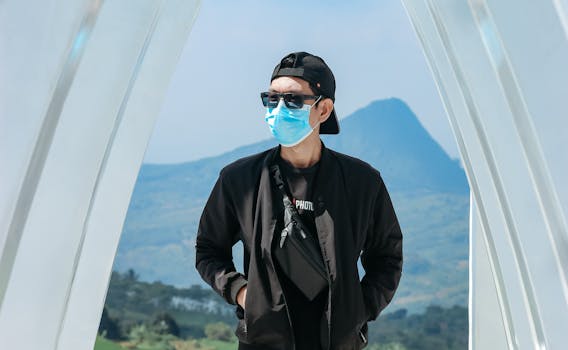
219, 331
165, 324
131, 275
108, 327
397, 315
144, 338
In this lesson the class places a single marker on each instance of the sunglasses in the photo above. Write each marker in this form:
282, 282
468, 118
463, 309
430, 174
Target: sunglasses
292, 101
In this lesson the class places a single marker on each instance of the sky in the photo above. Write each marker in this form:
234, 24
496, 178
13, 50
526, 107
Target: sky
213, 106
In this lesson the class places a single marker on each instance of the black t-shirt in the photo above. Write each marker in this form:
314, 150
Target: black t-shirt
306, 315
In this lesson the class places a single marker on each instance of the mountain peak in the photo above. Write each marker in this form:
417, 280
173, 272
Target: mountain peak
388, 135
390, 112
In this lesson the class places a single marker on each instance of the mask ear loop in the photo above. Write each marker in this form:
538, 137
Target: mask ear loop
317, 124
318, 99
309, 109
313, 104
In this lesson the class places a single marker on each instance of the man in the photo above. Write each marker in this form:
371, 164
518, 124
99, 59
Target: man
336, 203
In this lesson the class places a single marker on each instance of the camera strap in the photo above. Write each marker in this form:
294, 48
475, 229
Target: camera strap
291, 215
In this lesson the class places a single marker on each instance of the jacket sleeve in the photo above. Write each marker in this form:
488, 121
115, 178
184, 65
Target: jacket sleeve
382, 255
216, 235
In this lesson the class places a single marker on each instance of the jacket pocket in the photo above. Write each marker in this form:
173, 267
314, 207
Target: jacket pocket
269, 326
362, 328
356, 340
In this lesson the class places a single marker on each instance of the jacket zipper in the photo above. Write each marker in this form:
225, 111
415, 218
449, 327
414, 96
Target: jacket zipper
328, 275
326, 259
328, 298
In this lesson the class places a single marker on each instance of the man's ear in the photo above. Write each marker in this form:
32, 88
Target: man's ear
325, 108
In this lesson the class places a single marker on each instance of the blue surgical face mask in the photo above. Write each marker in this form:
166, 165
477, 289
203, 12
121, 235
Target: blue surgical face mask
289, 126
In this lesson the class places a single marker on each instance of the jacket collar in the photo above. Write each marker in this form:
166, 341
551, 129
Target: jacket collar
326, 172
274, 153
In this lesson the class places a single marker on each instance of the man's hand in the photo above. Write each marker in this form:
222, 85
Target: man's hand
242, 296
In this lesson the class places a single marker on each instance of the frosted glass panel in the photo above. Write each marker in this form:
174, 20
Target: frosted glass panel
501, 71
81, 86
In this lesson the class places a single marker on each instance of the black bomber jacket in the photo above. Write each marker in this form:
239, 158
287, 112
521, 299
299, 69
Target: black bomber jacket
354, 218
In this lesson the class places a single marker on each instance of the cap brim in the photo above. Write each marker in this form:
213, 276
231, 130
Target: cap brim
331, 125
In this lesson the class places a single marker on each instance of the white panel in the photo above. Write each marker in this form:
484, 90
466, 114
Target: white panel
83, 142
501, 71
487, 327
562, 11
27, 96
120, 170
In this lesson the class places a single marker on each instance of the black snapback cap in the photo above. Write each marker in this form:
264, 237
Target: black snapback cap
315, 71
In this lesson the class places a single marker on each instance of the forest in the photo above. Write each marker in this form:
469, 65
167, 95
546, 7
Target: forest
140, 315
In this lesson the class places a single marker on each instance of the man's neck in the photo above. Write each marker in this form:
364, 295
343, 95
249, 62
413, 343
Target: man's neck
305, 154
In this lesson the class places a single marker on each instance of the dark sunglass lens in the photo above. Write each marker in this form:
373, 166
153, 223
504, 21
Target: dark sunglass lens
269, 99
294, 101
273, 100
264, 98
